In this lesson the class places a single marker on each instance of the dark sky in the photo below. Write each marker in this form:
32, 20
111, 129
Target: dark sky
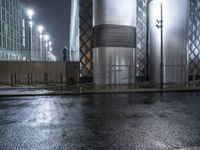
54, 15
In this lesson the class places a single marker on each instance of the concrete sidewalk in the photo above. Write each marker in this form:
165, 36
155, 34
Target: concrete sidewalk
43, 90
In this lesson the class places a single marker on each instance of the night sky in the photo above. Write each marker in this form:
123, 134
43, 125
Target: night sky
54, 15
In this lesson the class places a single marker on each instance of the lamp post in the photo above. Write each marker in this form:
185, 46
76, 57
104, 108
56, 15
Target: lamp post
30, 14
160, 26
46, 38
49, 50
50, 46
41, 29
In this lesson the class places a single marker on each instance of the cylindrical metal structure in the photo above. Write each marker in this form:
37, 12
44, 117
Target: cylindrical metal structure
114, 26
175, 35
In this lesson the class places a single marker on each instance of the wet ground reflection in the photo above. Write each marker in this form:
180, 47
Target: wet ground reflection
109, 121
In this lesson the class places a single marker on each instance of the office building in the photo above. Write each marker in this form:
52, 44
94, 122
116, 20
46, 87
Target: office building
19, 37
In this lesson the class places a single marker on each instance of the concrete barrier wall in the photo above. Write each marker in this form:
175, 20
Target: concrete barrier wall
19, 72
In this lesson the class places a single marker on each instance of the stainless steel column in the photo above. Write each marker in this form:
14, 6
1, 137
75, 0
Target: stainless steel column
175, 34
114, 23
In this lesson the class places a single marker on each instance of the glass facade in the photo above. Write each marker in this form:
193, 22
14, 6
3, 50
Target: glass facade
10, 30
19, 40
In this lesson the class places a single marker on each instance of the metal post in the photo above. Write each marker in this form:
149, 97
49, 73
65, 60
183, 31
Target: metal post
15, 78
11, 79
160, 26
31, 78
61, 78
31, 42
46, 51
161, 48
41, 47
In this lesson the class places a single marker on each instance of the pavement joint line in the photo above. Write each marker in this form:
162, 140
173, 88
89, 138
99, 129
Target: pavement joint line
87, 92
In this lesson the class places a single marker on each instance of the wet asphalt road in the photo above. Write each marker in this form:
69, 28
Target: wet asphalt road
101, 122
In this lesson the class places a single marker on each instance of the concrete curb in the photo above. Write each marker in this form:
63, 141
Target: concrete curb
86, 92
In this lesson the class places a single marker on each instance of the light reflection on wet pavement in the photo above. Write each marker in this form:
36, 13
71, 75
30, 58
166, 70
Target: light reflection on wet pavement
105, 121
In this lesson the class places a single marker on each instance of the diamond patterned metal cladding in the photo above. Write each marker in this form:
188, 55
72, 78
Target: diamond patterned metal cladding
85, 27
142, 42
194, 38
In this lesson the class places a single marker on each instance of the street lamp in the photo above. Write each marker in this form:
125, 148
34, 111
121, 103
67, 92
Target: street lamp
159, 25
49, 55
46, 38
41, 29
31, 24
50, 46
30, 14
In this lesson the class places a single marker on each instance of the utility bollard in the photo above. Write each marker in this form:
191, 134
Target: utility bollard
15, 78
28, 80
46, 80
11, 79
61, 78
31, 78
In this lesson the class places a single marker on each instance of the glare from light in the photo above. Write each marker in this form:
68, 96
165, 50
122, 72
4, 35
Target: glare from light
40, 29
41, 36
53, 57
46, 37
50, 43
161, 1
30, 13
31, 24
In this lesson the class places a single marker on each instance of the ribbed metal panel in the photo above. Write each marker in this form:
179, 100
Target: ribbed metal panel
114, 36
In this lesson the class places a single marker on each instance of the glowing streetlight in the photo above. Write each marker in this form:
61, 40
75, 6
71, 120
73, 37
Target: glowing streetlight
30, 13
50, 46
161, 1
46, 37
31, 23
40, 29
